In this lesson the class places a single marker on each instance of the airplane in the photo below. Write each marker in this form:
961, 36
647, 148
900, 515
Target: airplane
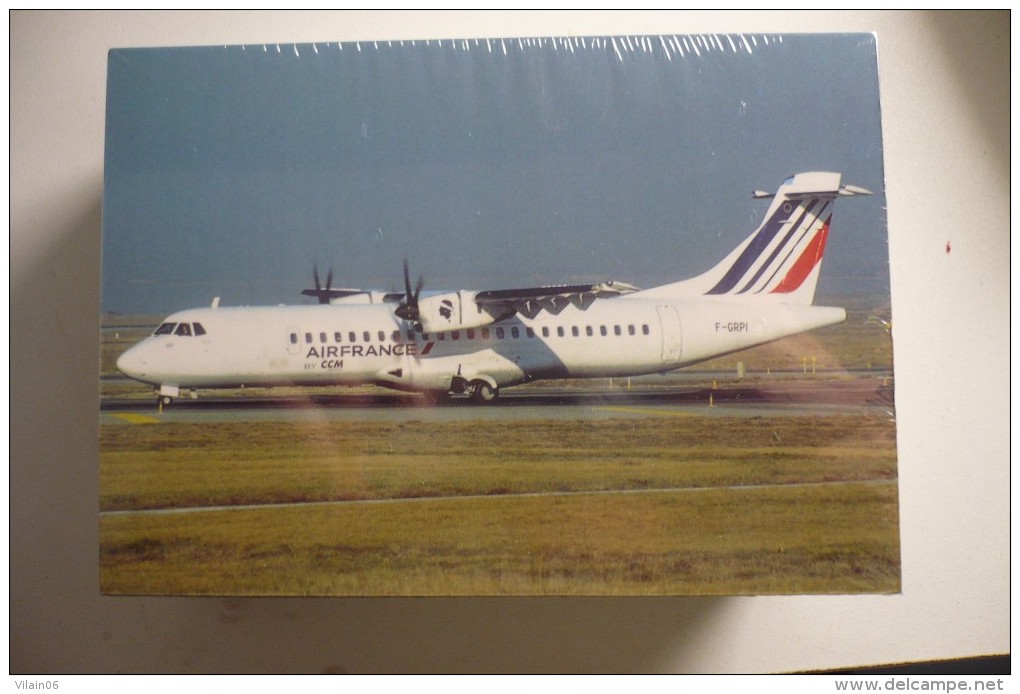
479, 342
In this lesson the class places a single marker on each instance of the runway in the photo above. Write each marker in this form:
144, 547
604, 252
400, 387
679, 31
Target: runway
868, 395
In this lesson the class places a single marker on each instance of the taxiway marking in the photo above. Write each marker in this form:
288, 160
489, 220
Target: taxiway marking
645, 410
493, 497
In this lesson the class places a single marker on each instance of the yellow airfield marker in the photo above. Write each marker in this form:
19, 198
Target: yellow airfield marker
136, 418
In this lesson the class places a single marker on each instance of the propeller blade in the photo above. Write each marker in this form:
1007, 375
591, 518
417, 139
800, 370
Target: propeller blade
323, 294
407, 281
417, 289
408, 308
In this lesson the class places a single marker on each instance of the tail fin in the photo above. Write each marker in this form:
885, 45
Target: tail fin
781, 260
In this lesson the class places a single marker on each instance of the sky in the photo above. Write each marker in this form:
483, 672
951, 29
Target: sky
230, 171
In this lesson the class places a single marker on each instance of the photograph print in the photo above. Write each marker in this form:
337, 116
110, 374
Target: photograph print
531, 316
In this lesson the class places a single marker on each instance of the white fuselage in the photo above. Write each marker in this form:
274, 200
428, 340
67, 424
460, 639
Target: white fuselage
356, 344
762, 291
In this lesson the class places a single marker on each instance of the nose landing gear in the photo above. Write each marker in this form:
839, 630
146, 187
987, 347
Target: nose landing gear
166, 396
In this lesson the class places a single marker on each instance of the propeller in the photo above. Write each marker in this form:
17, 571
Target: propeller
318, 284
408, 308
322, 293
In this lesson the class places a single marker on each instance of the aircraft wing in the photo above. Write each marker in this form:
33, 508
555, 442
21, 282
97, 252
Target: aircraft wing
326, 295
530, 301
445, 310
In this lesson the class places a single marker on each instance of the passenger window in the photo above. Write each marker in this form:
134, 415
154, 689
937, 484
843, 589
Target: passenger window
485, 333
602, 331
382, 336
616, 330
515, 332
530, 332
322, 338
293, 338
559, 330
308, 338
410, 336
574, 331
644, 329
455, 335
352, 336
500, 333
165, 329
470, 334
199, 330
440, 336
395, 336
184, 330
545, 331
588, 330
337, 335
367, 335
630, 329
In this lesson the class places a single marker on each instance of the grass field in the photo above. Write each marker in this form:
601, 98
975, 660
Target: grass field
679, 505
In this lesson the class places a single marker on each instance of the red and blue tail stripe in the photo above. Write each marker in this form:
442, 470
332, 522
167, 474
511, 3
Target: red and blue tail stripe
780, 260
783, 276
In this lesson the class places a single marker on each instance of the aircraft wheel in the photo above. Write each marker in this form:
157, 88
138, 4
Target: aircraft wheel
482, 392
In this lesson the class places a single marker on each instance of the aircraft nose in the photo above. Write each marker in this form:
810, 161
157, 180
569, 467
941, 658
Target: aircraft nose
132, 363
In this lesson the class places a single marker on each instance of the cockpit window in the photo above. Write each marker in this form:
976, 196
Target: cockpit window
181, 329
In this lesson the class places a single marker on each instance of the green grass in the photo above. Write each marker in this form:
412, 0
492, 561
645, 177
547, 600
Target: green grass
177, 465
704, 542
446, 515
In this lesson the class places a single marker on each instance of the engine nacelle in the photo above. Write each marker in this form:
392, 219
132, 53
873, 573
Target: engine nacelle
453, 311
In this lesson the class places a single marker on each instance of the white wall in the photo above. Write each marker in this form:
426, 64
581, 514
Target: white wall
945, 101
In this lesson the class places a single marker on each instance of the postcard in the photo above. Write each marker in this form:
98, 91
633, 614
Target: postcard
538, 316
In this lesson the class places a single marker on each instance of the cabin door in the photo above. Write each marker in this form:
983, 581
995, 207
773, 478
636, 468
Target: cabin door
669, 319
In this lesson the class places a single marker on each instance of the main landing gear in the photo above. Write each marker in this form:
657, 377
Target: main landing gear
483, 392
479, 391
